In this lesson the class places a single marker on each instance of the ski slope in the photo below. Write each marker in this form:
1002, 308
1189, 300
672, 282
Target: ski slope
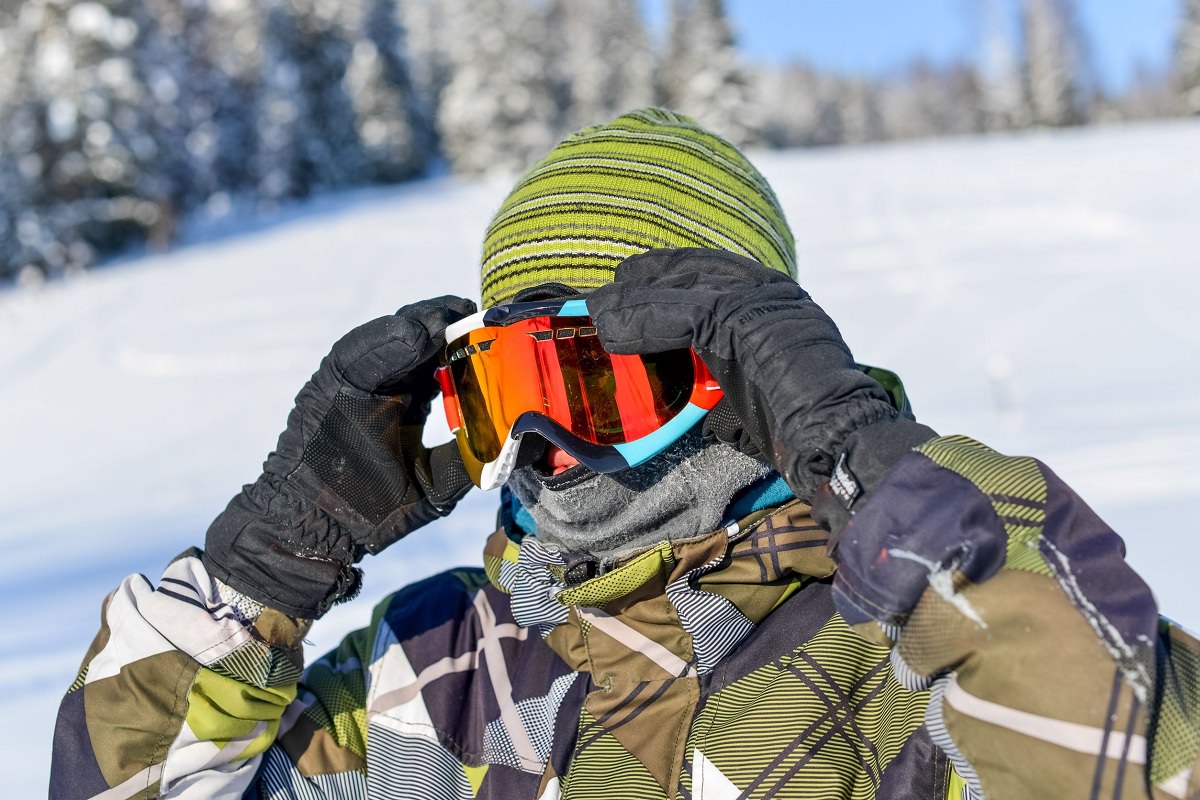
1035, 292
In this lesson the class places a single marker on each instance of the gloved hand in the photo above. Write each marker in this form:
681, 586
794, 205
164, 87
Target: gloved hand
828, 428
349, 475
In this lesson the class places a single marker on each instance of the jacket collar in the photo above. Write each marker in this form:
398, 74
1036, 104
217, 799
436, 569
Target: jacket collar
676, 608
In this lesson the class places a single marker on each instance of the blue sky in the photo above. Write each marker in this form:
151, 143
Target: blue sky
875, 36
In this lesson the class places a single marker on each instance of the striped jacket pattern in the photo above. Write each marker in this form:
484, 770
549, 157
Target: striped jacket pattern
980, 635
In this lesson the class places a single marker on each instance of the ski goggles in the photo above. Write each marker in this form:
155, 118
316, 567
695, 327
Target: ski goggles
539, 367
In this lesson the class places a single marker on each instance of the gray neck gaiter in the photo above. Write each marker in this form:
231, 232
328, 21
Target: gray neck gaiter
681, 493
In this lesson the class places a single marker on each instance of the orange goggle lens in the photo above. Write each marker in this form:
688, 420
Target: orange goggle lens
554, 366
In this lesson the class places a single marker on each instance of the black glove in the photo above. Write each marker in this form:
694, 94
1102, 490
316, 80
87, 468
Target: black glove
786, 373
723, 424
349, 475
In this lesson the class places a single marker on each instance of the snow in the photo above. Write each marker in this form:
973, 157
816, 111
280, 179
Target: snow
1035, 292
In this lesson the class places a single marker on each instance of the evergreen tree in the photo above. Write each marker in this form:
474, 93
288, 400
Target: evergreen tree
703, 75
119, 116
392, 123
10, 182
1187, 58
962, 106
800, 106
307, 136
673, 72
602, 60
205, 80
1005, 104
81, 144
932, 101
497, 112
1151, 95
860, 113
1056, 78
184, 90
427, 27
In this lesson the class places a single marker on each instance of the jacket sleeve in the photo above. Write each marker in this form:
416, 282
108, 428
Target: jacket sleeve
1051, 673
181, 694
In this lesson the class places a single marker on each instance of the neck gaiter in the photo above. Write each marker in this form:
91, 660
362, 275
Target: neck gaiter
680, 493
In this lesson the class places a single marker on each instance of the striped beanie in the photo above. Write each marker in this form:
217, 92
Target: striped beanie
651, 178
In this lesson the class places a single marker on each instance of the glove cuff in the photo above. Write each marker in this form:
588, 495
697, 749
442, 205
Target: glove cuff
812, 464
867, 455
246, 548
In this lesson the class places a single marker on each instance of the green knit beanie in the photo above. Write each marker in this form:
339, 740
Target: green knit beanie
651, 178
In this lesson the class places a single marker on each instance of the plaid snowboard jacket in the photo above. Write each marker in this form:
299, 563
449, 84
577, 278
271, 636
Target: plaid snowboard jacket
740, 664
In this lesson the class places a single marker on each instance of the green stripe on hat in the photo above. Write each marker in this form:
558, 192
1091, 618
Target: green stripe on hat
651, 178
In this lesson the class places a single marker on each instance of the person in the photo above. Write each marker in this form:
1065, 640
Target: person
805, 594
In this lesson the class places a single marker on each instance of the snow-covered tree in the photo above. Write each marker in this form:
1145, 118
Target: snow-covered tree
703, 75
79, 135
394, 126
306, 122
1151, 94
932, 101
11, 260
427, 27
800, 106
601, 58
205, 78
185, 92
1056, 72
859, 112
10, 182
497, 112
1005, 104
1187, 58
117, 117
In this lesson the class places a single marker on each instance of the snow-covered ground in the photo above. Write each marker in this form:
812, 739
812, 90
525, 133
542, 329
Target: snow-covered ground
1035, 292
